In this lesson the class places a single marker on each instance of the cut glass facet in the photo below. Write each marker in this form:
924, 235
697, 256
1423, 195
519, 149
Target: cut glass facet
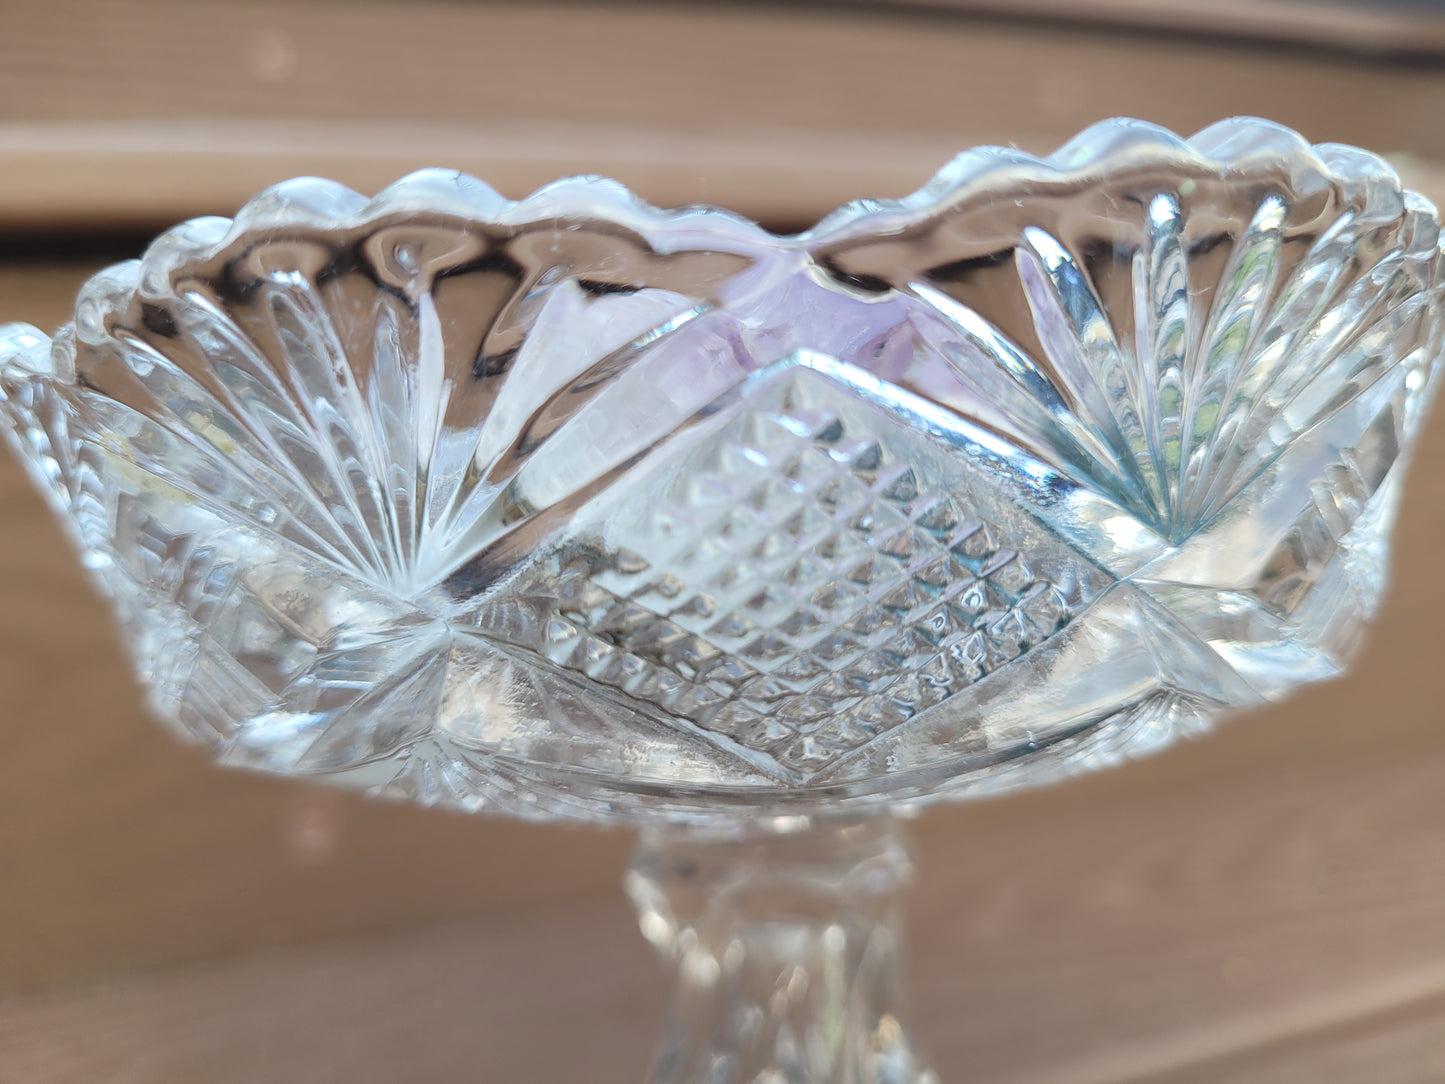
574, 507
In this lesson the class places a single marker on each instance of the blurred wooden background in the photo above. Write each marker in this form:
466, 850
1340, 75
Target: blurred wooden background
1267, 905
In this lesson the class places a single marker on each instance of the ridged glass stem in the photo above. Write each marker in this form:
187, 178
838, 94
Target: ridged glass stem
785, 948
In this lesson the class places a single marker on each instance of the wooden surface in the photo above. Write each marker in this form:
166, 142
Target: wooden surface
1266, 905
1399, 29
139, 113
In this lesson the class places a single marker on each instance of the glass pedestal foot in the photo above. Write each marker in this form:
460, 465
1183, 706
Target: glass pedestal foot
785, 950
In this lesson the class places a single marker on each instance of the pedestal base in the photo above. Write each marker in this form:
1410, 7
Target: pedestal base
785, 949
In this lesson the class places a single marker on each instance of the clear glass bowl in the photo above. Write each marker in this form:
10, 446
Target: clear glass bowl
573, 507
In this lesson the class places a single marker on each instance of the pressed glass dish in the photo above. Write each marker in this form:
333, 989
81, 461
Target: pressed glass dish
576, 508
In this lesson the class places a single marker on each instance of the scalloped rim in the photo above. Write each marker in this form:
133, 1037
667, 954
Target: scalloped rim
1242, 146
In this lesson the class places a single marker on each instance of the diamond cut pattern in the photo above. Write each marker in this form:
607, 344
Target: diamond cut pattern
819, 597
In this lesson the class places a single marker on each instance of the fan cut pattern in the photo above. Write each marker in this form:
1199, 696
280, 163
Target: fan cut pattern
575, 507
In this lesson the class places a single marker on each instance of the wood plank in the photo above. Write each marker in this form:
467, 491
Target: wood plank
1056, 942
211, 100
1359, 26
1403, 1046
569, 995
1109, 937
156, 173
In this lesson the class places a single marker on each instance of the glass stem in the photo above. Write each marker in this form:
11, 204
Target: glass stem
785, 952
